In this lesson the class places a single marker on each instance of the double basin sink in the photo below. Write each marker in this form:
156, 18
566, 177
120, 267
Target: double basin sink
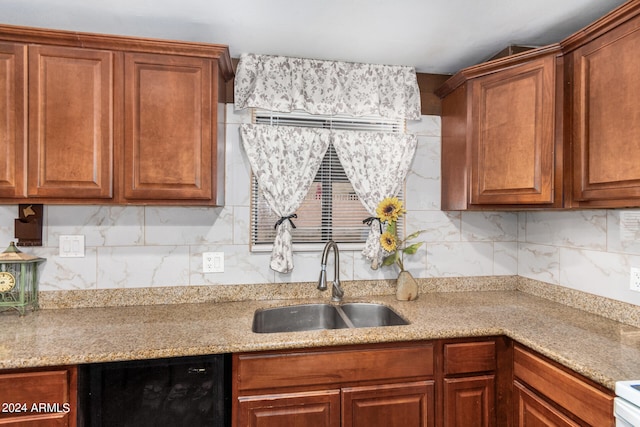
309, 317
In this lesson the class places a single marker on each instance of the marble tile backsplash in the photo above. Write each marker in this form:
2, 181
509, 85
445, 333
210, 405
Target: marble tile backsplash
137, 246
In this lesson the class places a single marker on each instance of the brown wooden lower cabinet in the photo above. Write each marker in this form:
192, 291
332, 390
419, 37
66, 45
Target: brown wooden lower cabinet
403, 404
532, 410
319, 408
469, 402
385, 385
39, 398
469, 385
547, 394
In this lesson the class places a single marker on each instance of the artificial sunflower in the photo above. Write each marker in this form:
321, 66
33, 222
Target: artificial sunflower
389, 209
388, 241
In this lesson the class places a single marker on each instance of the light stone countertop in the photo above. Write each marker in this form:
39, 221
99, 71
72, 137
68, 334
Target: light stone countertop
599, 348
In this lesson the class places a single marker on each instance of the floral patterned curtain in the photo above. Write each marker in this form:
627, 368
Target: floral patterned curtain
285, 161
284, 84
376, 164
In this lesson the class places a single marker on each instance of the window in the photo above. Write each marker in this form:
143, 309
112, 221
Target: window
331, 210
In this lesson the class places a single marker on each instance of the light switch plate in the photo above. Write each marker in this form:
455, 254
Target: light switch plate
71, 246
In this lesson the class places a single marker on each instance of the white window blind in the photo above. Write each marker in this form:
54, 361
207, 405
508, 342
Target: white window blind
331, 210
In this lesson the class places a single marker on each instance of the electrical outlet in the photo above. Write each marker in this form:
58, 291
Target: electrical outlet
634, 282
213, 262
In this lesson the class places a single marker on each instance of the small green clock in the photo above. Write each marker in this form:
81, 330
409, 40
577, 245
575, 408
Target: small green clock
7, 281
18, 280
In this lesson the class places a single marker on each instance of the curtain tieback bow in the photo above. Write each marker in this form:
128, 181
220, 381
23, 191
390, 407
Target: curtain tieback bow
370, 221
286, 218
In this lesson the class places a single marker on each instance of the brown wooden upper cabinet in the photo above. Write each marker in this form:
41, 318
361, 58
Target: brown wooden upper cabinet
603, 63
169, 128
500, 133
89, 118
553, 127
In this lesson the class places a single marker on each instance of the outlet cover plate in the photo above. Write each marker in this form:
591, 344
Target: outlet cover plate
213, 262
634, 282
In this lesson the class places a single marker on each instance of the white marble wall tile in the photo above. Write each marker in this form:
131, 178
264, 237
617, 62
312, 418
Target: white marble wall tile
422, 189
362, 269
439, 226
188, 225
599, 273
505, 258
427, 125
460, 259
65, 274
241, 225
7, 215
585, 229
623, 231
307, 267
489, 226
522, 226
416, 264
240, 266
100, 225
237, 170
138, 267
539, 262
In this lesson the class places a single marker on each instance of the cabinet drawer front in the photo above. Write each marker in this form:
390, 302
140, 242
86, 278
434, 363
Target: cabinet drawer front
465, 358
310, 368
567, 390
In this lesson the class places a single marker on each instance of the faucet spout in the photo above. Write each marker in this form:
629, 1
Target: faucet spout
336, 291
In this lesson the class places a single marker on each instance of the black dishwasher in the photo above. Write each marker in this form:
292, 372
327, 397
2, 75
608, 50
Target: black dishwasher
176, 392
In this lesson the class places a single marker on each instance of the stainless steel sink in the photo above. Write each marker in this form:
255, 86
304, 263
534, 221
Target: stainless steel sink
305, 317
308, 317
365, 315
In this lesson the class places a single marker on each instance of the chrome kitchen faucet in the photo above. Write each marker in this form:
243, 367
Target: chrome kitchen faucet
336, 291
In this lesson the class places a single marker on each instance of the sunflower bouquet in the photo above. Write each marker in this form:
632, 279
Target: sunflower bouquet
388, 211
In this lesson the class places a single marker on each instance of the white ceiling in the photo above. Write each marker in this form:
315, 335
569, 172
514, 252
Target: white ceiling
435, 36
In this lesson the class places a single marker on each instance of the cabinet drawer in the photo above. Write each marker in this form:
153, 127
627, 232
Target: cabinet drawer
466, 358
332, 366
566, 389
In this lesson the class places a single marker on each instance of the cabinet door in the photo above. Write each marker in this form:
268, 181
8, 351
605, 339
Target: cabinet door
394, 405
45, 398
13, 103
533, 411
513, 135
169, 127
469, 402
589, 402
71, 112
305, 409
606, 124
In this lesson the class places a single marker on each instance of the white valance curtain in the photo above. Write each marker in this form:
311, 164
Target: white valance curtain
285, 159
285, 84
